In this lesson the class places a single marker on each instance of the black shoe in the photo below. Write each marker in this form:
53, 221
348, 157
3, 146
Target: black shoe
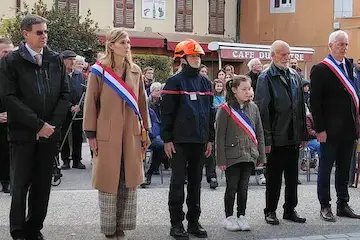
346, 211
271, 218
178, 232
293, 216
110, 236
19, 239
79, 165
197, 230
299, 183
5, 187
147, 181
65, 166
37, 237
213, 183
327, 215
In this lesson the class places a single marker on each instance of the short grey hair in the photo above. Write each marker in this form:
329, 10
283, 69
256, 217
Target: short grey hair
79, 58
155, 86
334, 35
275, 45
251, 63
29, 20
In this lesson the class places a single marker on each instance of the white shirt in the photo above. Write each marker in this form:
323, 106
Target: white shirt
32, 52
344, 64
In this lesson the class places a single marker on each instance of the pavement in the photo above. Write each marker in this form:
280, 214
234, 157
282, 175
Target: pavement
73, 212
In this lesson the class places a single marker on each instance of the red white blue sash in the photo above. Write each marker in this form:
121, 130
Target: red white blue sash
242, 121
118, 85
344, 79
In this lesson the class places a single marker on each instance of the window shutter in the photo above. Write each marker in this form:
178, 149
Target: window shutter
216, 16
189, 15
129, 14
124, 13
74, 7
61, 4
119, 13
180, 17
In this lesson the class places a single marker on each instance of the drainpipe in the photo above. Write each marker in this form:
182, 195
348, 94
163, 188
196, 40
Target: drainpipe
238, 12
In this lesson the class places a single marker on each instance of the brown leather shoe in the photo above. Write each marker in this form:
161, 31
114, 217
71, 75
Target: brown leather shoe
327, 215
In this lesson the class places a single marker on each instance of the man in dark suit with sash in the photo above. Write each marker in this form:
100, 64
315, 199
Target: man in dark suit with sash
335, 109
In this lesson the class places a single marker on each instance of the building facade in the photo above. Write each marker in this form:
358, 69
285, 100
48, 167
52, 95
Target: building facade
302, 23
155, 26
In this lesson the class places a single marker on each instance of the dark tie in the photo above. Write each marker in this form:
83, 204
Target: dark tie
341, 65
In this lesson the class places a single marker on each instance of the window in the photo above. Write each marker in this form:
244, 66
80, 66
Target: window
72, 5
184, 16
343, 8
282, 6
216, 16
124, 13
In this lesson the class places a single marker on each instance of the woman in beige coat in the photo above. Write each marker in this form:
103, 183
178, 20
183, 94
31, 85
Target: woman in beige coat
115, 136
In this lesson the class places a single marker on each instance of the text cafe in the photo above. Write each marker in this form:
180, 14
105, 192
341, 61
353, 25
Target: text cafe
239, 51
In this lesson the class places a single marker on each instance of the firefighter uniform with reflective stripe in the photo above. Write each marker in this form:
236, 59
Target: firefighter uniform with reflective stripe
188, 122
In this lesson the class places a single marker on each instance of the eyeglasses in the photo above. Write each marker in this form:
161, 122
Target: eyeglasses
39, 33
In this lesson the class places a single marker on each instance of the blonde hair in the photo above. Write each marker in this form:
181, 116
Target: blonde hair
113, 36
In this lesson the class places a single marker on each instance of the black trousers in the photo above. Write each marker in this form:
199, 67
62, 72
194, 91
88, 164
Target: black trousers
189, 158
210, 166
77, 139
341, 153
157, 146
237, 182
4, 155
32, 165
281, 160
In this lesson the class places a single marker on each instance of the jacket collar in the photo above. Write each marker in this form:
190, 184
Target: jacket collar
47, 54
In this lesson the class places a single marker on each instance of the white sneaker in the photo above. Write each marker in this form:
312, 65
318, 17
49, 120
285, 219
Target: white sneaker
243, 224
260, 179
231, 224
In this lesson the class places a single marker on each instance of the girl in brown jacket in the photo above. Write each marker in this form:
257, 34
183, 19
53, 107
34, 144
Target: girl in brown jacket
114, 127
240, 146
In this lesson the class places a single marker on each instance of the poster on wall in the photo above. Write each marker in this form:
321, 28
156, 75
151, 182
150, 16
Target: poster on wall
154, 9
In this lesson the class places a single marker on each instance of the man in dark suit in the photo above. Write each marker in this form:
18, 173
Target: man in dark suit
6, 47
35, 92
334, 105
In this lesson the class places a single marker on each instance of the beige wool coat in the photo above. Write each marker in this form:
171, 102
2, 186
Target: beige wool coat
118, 131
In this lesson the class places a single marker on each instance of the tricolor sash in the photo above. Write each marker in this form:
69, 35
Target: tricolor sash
119, 86
330, 62
242, 121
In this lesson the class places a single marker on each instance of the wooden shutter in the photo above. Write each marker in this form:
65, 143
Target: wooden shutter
216, 16
61, 3
73, 6
124, 13
184, 16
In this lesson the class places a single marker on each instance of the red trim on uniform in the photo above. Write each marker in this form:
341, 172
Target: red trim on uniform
172, 92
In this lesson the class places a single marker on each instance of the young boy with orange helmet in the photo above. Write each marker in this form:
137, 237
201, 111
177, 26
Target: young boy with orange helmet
188, 131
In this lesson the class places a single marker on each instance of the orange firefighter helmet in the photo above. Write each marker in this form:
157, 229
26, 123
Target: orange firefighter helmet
188, 47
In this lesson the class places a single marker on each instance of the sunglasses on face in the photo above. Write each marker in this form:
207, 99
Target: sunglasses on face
40, 33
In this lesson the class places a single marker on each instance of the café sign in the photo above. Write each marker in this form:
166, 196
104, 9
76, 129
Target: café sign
245, 54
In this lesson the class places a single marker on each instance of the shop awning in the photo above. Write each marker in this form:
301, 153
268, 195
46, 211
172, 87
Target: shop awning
140, 39
175, 38
241, 51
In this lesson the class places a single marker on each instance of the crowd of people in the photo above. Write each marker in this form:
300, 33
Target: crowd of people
255, 123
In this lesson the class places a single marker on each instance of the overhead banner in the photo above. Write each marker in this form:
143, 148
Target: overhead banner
153, 9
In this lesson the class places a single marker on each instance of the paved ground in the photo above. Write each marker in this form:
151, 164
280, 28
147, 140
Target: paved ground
74, 215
